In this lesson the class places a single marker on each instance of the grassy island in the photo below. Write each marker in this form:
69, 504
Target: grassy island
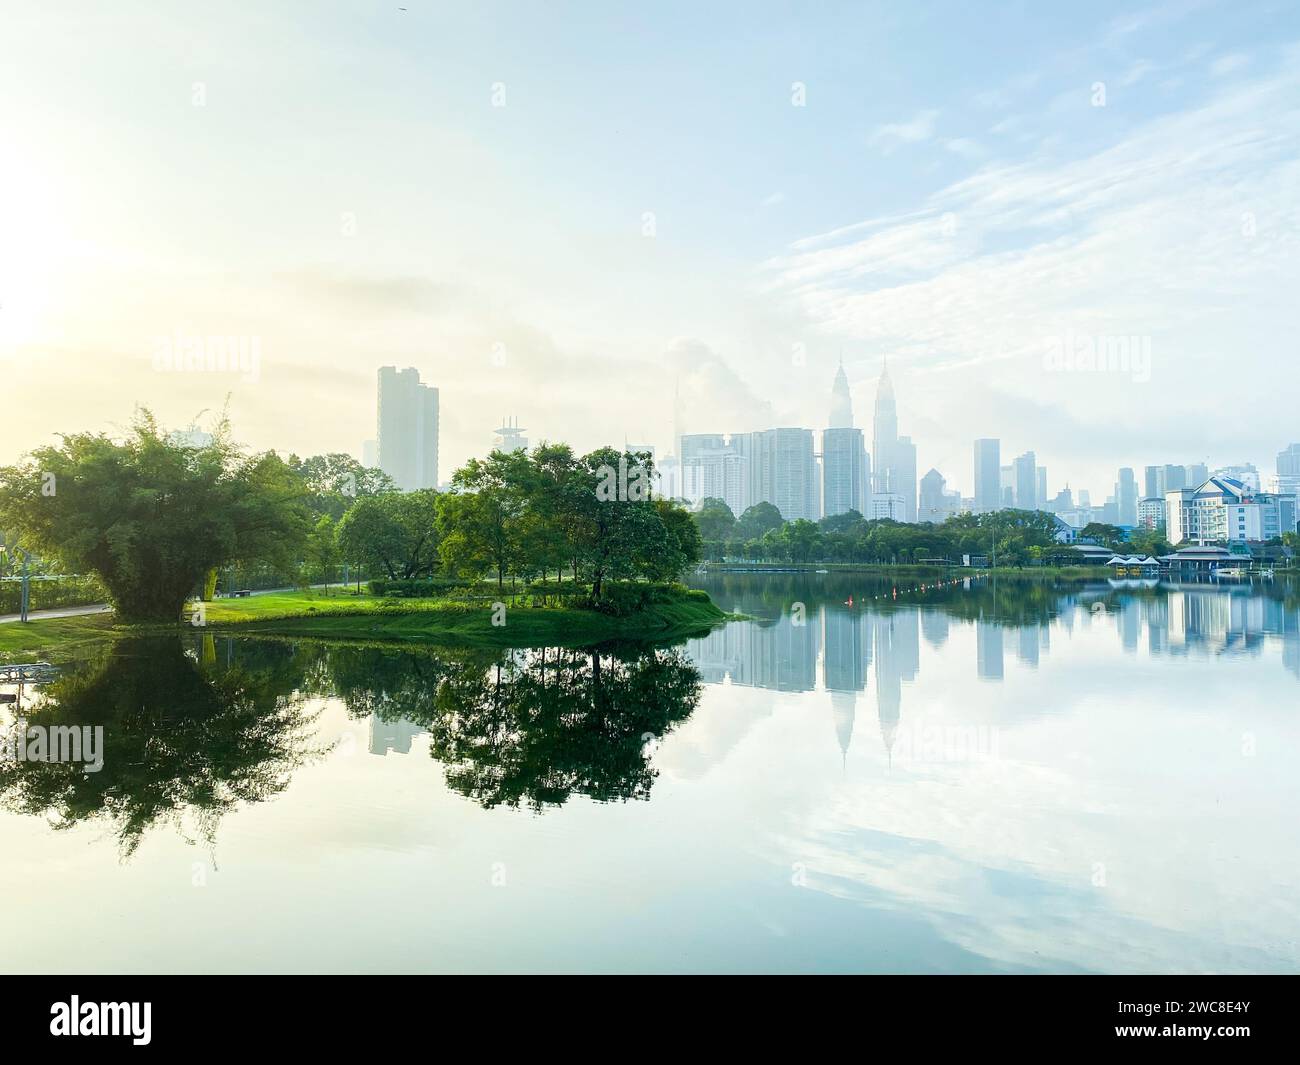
668, 613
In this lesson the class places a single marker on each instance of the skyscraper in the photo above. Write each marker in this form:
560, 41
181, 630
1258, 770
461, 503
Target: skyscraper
1153, 482
846, 468
783, 472
841, 401
1126, 498
1026, 477
988, 467
1288, 462
893, 460
846, 472
715, 467
408, 429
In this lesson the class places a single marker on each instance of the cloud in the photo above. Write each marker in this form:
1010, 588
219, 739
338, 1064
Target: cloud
1227, 64
1183, 231
713, 397
890, 136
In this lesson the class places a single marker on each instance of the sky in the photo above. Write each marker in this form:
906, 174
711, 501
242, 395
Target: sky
566, 213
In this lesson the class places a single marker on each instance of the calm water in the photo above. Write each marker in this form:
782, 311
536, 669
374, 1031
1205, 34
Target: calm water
994, 778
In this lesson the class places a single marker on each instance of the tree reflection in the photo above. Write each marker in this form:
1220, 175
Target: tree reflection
530, 728
186, 737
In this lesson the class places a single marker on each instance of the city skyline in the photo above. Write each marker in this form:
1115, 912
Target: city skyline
964, 224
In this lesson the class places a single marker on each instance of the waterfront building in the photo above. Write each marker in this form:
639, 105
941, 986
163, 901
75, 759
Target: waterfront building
1223, 509
1247, 473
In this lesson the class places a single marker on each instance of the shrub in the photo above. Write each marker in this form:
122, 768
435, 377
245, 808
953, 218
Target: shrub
426, 588
621, 598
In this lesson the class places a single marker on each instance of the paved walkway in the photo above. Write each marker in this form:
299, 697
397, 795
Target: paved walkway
58, 612
101, 608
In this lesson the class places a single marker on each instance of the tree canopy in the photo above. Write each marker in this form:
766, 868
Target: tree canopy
151, 517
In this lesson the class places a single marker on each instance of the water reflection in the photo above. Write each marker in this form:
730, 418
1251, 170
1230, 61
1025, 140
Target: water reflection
865, 630
184, 740
524, 728
197, 727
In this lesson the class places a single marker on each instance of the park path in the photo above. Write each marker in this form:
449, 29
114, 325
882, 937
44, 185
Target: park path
101, 608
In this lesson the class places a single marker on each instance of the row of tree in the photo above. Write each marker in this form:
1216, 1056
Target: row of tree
155, 518
1008, 537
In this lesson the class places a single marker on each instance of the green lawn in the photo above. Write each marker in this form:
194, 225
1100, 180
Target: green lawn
20, 643
344, 616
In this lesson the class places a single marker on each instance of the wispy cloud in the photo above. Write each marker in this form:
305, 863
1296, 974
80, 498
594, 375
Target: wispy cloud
892, 134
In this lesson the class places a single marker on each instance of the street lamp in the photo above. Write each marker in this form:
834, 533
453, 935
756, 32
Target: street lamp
14, 551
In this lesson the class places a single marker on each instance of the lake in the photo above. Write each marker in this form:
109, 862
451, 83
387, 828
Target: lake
867, 775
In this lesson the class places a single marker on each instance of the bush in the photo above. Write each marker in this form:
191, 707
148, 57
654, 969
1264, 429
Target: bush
622, 598
416, 589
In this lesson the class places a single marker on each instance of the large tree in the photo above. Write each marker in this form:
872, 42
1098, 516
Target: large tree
394, 534
715, 519
334, 481
150, 516
482, 520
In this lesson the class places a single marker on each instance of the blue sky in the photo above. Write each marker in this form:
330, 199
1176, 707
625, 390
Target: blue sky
650, 209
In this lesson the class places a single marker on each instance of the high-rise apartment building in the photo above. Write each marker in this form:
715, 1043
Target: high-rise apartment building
783, 472
716, 467
408, 429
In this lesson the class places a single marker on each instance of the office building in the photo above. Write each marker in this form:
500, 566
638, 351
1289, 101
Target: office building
1126, 497
846, 467
1026, 482
846, 471
988, 467
893, 457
